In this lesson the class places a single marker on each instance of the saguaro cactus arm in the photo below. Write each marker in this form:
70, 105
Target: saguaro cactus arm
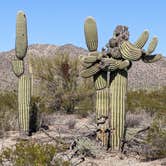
91, 36
142, 39
92, 57
105, 64
151, 58
133, 52
130, 52
113, 64
89, 72
18, 67
152, 46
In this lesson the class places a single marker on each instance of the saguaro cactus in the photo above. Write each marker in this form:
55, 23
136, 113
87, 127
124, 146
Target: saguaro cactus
24, 97
24, 82
109, 70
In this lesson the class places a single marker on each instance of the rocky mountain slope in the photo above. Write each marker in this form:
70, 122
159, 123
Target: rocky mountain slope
141, 75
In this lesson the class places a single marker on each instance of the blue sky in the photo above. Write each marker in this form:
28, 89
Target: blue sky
61, 21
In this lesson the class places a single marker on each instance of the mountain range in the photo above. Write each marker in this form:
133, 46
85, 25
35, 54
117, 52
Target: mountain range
141, 75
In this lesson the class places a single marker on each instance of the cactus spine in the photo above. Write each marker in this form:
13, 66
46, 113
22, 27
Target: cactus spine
24, 82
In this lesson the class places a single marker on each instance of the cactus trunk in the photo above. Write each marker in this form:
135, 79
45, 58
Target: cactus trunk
102, 101
24, 98
102, 110
118, 90
110, 108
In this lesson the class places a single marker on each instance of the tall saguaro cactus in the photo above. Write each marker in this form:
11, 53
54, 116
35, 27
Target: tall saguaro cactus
24, 82
109, 70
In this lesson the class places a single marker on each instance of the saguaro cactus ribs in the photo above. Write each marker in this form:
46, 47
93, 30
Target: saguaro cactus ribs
24, 82
109, 70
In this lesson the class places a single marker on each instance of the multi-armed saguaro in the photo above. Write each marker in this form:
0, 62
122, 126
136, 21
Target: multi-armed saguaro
24, 83
109, 70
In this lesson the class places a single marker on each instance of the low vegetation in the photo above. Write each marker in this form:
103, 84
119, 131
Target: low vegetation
60, 89
150, 101
31, 153
8, 111
156, 140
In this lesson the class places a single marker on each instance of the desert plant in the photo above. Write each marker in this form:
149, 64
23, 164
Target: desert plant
150, 101
24, 83
30, 153
109, 70
8, 112
62, 88
156, 140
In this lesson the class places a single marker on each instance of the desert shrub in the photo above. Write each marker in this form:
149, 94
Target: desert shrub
156, 140
60, 83
30, 154
85, 146
8, 111
150, 101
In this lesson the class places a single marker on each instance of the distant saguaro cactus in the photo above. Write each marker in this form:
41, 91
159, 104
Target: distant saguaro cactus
109, 70
24, 83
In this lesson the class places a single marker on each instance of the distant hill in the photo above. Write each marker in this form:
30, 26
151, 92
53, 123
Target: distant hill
141, 75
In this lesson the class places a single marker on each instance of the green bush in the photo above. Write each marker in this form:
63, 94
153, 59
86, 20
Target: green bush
30, 154
156, 140
8, 111
151, 101
61, 87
